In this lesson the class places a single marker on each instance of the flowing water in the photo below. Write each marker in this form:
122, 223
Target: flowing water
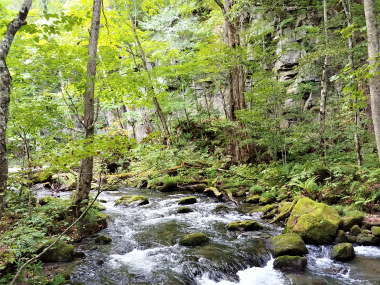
145, 249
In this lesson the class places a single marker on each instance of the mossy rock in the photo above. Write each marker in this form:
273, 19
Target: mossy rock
355, 230
92, 223
187, 200
45, 200
351, 219
375, 231
284, 210
343, 252
7, 260
367, 238
248, 225
253, 199
102, 239
288, 263
213, 192
221, 209
266, 200
167, 187
184, 210
341, 237
194, 239
60, 252
132, 200
288, 244
315, 222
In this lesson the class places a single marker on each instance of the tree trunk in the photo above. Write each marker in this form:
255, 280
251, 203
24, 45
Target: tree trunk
156, 103
324, 85
5, 89
87, 164
373, 55
350, 44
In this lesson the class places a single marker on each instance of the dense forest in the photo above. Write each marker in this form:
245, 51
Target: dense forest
189, 142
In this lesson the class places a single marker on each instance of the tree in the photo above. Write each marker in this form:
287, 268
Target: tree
5, 89
373, 55
88, 122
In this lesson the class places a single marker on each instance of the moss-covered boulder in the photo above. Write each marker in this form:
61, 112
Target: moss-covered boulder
91, 224
352, 218
187, 200
341, 237
132, 200
184, 210
288, 263
375, 231
60, 252
284, 210
288, 244
355, 230
367, 238
253, 199
213, 192
343, 252
265, 200
194, 239
248, 225
315, 222
102, 239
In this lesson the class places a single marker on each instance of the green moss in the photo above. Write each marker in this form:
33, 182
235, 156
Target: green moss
288, 244
194, 239
248, 225
367, 238
343, 252
355, 230
352, 218
375, 231
7, 259
316, 222
184, 210
60, 252
290, 263
187, 200
102, 239
129, 200
253, 199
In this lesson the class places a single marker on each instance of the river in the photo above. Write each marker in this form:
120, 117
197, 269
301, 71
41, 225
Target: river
145, 250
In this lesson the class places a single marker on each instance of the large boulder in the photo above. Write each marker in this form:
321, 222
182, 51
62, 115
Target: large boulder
248, 225
289, 263
132, 200
288, 244
316, 223
343, 252
194, 239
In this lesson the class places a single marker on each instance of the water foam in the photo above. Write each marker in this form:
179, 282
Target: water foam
251, 276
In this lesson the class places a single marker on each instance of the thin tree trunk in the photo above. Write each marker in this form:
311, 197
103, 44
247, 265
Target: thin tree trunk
87, 164
323, 98
373, 56
156, 103
350, 43
5, 89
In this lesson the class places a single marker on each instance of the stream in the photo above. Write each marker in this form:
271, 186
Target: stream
145, 250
